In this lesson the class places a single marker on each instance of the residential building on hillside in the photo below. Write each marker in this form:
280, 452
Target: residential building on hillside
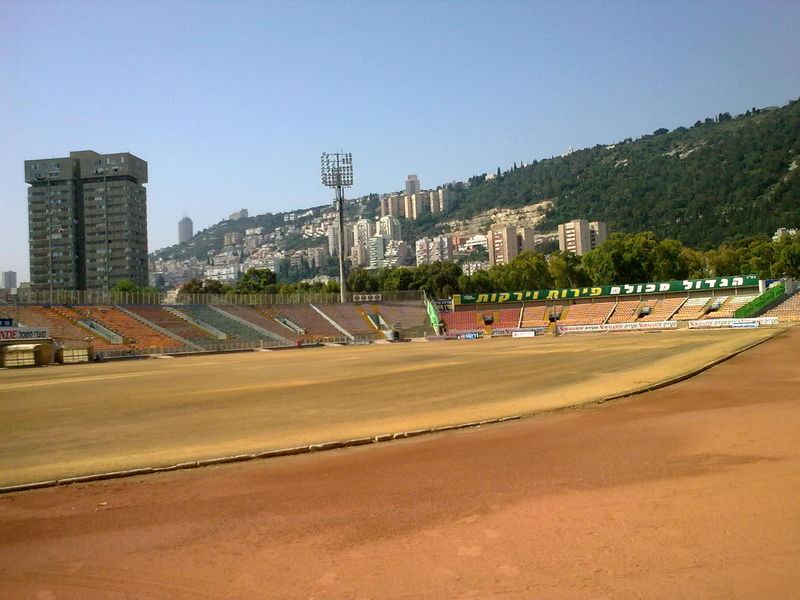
376, 248
412, 185
506, 241
333, 240
318, 257
185, 229
437, 248
392, 205
439, 201
783, 231
580, 236
232, 238
87, 219
363, 229
359, 256
396, 254
389, 227
420, 204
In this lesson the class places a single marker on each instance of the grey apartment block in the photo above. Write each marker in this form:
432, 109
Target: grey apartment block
87, 220
8, 280
185, 230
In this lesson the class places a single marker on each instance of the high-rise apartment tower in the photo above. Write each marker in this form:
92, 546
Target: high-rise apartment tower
580, 236
185, 230
87, 220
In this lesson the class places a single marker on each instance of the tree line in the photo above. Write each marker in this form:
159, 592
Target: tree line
623, 258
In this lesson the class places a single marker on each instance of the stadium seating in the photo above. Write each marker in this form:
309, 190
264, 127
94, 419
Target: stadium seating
788, 310
170, 322
663, 309
400, 315
134, 331
535, 315
693, 308
466, 320
61, 322
237, 332
588, 313
506, 318
348, 317
259, 319
305, 317
626, 311
730, 306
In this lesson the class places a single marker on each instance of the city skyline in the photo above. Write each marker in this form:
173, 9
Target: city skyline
525, 84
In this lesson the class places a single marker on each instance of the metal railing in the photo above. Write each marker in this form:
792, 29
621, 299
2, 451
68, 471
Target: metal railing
106, 297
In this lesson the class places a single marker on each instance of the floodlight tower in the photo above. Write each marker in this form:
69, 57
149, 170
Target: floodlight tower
337, 172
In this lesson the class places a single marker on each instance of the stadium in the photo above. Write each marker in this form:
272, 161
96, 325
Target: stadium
540, 443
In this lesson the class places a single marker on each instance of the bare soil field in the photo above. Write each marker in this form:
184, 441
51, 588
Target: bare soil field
689, 491
57, 422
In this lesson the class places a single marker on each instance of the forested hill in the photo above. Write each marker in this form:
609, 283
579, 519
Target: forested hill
719, 180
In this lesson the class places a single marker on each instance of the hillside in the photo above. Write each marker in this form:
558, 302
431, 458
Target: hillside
720, 180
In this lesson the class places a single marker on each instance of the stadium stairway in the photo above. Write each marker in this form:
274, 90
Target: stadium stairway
235, 330
368, 319
162, 330
243, 317
411, 320
156, 316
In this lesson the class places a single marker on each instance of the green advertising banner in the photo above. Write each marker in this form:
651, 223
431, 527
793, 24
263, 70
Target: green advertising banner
434, 317
690, 285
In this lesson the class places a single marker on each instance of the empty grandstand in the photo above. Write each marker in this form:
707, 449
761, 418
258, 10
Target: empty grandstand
409, 319
535, 315
625, 311
135, 333
588, 313
788, 310
351, 318
236, 330
273, 329
693, 308
307, 318
664, 309
159, 317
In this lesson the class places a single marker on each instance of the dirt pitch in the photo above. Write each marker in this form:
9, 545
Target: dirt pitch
689, 491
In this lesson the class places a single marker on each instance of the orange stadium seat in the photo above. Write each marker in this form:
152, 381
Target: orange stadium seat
692, 308
663, 309
302, 315
625, 311
139, 335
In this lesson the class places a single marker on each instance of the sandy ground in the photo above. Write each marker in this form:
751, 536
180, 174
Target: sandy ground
65, 421
686, 492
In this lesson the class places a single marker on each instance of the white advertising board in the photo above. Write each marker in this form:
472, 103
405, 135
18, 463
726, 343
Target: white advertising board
618, 327
23, 333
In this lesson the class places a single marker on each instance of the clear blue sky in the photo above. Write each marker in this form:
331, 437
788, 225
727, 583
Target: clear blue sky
232, 103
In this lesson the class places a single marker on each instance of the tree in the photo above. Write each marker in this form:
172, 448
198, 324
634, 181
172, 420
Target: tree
125, 285
566, 270
360, 280
256, 281
528, 271
193, 286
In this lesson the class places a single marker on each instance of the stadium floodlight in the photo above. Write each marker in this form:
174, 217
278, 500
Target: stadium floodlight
337, 173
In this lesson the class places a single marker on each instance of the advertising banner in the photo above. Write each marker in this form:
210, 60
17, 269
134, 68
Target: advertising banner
618, 327
464, 335
513, 331
523, 334
689, 285
736, 323
23, 333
